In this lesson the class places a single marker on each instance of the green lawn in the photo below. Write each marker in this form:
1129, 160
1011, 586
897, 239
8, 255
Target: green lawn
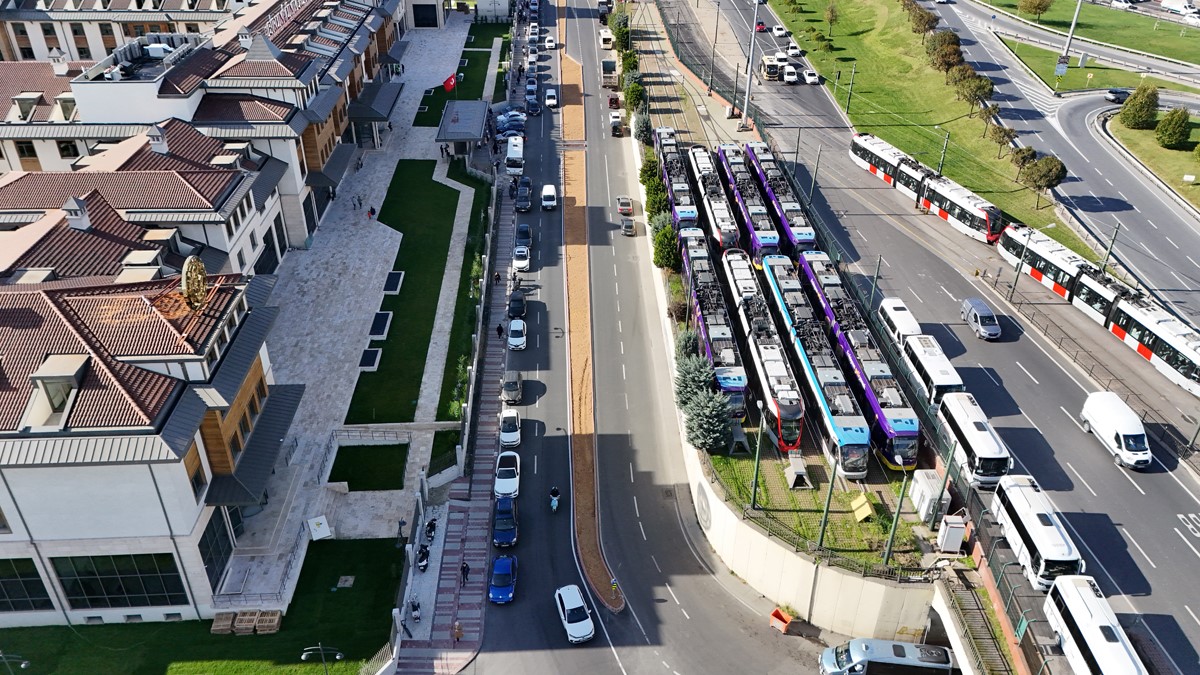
444, 455
355, 620
1169, 165
1043, 61
898, 97
1118, 27
485, 33
424, 211
498, 92
454, 378
470, 89
370, 467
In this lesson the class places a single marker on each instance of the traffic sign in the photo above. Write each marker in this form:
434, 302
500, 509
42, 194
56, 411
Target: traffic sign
1060, 70
1090, 77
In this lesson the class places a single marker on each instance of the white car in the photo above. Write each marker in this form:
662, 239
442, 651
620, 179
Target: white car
551, 98
531, 63
574, 613
811, 77
521, 258
508, 475
779, 31
550, 43
1122, 4
511, 116
510, 428
793, 50
517, 337
535, 28
790, 76
1192, 19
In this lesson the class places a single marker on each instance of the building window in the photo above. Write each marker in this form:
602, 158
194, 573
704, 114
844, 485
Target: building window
77, 29
68, 149
245, 426
191, 27
85, 54
101, 581
21, 587
27, 53
48, 29
25, 150
254, 406
19, 30
253, 241
106, 30
235, 446
138, 29
215, 548
199, 481
241, 257
261, 390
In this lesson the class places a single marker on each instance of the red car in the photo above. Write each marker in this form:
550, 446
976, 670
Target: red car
760, 27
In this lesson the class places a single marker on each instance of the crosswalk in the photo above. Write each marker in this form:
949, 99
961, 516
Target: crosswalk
1032, 90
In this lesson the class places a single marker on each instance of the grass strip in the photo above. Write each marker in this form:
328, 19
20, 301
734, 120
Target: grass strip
469, 89
1043, 61
356, 620
1169, 165
370, 467
390, 394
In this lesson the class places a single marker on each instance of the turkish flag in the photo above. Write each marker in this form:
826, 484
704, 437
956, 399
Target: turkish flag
448, 85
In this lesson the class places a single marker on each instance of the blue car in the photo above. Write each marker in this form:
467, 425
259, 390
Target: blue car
504, 579
504, 523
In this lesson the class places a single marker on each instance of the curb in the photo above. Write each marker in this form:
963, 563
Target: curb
1101, 123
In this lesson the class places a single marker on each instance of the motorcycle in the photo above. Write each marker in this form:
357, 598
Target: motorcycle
430, 529
423, 557
415, 610
554, 495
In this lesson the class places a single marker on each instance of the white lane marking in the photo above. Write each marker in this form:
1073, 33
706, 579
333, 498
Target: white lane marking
636, 512
535, 465
1125, 473
643, 530
1189, 544
1139, 548
665, 665
655, 561
631, 472
618, 325
1170, 242
615, 270
1031, 423
616, 289
1122, 195
1189, 258
537, 341
1081, 480
622, 371
947, 292
1143, 245
1072, 418
1035, 381
622, 343
671, 592
1173, 476
1151, 223
985, 372
685, 615
885, 262
916, 296
1135, 208
627, 401
1189, 609
1181, 281
1110, 183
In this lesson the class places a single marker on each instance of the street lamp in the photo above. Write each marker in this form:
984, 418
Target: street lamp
712, 60
887, 553
757, 451
945, 144
320, 649
742, 126
10, 659
1021, 260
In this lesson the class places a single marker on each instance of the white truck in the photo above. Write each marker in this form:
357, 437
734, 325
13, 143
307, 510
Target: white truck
1184, 7
609, 77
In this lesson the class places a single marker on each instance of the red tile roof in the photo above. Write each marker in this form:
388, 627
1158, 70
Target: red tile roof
95, 252
287, 65
187, 75
167, 190
18, 77
241, 108
188, 149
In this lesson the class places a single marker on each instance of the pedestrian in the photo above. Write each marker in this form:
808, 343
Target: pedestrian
499, 328
389, 126
458, 629
495, 147
497, 277
371, 213
401, 68
496, 164
466, 572
442, 150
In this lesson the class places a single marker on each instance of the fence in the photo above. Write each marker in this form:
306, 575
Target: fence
352, 434
278, 598
467, 431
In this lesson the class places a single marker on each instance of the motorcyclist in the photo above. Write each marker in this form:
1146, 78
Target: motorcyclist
554, 494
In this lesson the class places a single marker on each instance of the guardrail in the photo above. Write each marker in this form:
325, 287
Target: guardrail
1106, 59
960, 627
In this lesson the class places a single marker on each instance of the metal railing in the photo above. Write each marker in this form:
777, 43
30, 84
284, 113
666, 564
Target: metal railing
960, 627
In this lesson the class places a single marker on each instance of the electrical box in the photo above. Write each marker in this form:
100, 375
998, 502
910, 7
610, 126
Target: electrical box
951, 536
926, 487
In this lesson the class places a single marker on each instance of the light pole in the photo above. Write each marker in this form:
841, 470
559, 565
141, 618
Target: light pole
757, 453
887, 553
749, 70
10, 659
1071, 32
945, 144
1108, 251
321, 649
712, 59
1021, 260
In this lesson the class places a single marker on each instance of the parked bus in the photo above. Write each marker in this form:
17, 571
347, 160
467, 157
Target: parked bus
769, 67
514, 160
898, 321
981, 455
932, 370
1091, 638
1034, 531
883, 657
606, 38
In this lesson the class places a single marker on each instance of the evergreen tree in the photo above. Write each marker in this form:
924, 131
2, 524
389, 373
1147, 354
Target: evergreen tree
708, 425
658, 221
1045, 173
1173, 129
687, 343
666, 249
1141, 108
642, 130
693, 374
650, 172
1021, 158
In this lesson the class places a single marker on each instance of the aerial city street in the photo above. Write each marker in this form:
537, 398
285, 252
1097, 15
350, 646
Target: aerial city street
540, 336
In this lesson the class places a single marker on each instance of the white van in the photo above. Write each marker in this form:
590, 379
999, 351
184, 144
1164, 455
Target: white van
1118, 427
549, 198
897, 320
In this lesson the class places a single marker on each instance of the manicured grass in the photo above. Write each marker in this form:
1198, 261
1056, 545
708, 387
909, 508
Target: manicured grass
370, 467
454, 379
424, 211
498, 92
1118, 27
443, 456
355, 620
1042, 63
1169, 165
898, 97
470, 89
485, 33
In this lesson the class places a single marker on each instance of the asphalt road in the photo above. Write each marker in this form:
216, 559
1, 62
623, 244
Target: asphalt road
1136, 543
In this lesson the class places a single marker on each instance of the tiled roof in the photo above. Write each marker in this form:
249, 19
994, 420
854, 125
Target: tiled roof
95, 252
287, 65
167, 190
187, 75
18, 77
188, 150
241, 108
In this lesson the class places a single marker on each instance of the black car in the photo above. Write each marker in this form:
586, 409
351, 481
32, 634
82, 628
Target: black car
1116, 95
524, 231
533, 108
525, 182
516, 305
517, 126
524, 200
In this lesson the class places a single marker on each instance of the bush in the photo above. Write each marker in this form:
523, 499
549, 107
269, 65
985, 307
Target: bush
657, 202
666, 249
687, 343
629, 61
631, 77
1140, 108
650, 172
635, 95
658, 221
1173, 129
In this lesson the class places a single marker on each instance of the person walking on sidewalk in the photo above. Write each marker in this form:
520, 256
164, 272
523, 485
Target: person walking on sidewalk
466, 572
499, 330
458, 630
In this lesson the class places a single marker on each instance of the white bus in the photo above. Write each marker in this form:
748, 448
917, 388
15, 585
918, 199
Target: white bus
606, 38
979, 452
898, 321
932, 369
1034, 531
514, 160
868, 657
1088, 630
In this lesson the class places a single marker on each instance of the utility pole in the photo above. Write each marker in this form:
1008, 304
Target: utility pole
1021, 261
850, 93
1108, 251
816, 167
874, 285
825, 513
945, 144
712, 59
1071, 33
749, 72
887, 552
796, 157
757, 453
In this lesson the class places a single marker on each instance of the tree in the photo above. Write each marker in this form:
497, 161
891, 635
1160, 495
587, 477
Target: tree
620, 34
656, 201
909, 6
940, 39
989, 114
1002, 136
693, 374
923, 22
658, 221
650, 171
959, 74
1141, 108
946, 57
1034, 7
1173, 129
1044, 173
1021, 158
708, 425
631, 77
831, 16
975, 91
629, 61
666, 249
1196, 153
687, 343
642, 130
634, 96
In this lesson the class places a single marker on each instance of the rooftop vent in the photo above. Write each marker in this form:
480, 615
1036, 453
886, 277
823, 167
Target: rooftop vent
58, 61
225, 161
158, 140
77, 215
244, 38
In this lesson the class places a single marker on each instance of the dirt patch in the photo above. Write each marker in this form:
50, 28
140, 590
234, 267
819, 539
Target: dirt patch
579, 327
572, 104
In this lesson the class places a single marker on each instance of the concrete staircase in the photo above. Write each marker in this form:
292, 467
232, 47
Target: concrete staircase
974, 619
